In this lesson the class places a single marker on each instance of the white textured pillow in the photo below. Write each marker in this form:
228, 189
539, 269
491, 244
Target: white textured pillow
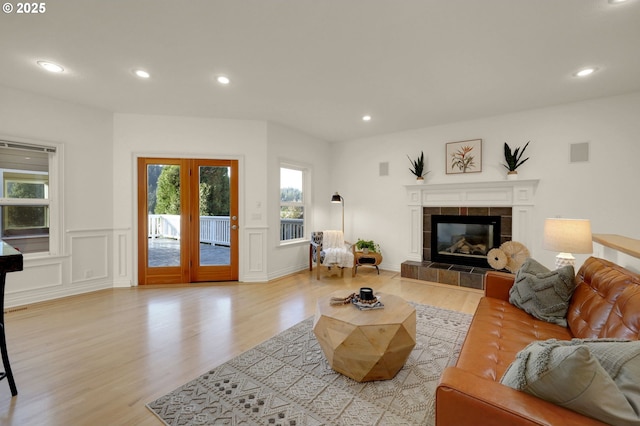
569, 375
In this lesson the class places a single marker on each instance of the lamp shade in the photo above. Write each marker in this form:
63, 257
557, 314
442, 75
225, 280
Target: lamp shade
336, 198
568, 235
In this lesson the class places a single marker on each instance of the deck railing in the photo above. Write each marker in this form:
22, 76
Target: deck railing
291, 229
214, 229
164, 226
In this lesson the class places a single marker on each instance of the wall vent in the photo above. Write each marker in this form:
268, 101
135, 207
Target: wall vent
579, 152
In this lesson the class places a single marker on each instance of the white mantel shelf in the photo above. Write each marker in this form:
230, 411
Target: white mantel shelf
489, 193
481, 184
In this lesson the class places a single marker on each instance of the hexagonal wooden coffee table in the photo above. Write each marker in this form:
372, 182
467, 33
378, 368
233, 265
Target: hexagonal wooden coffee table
366, 345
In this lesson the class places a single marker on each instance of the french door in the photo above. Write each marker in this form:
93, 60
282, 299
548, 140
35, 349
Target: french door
187, 220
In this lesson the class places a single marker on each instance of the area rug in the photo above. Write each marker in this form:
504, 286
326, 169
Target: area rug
287, 381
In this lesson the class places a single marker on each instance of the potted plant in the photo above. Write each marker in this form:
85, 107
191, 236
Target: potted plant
367, 246
417, 167
513, 160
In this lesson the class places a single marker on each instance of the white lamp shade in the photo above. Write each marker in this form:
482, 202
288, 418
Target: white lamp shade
568, 235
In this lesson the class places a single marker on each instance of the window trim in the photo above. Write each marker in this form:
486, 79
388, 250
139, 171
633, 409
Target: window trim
305, 204
55, 153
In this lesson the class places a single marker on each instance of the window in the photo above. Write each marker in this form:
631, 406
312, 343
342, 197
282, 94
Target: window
292, 203
25, 203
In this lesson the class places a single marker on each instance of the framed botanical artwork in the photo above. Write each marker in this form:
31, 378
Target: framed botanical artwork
464, 157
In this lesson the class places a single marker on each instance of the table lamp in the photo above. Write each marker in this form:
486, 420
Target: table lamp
567, 236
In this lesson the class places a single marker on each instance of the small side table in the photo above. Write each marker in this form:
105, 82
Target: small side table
367, 259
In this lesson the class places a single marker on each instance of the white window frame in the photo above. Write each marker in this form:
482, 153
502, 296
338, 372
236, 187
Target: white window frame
54, 191
305, 204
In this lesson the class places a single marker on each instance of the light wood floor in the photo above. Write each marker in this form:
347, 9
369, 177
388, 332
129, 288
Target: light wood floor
98, 358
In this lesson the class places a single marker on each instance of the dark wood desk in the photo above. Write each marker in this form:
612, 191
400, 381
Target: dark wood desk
10, 261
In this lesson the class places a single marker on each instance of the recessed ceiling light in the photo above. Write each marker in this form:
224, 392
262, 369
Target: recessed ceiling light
50, 66
366, 118
585, 72
141, 73
223, 79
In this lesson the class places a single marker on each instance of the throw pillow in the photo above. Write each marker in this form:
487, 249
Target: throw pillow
622, 361
569, 375
543, 293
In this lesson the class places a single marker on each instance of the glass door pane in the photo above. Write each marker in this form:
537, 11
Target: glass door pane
163, 210
214, 215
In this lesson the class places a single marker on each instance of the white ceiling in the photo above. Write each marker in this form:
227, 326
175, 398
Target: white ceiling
319, 65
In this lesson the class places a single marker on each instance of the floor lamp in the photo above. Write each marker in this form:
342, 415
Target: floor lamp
567, 236
337, 198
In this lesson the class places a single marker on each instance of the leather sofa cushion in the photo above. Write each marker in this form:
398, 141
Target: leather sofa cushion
497, 333
606, 302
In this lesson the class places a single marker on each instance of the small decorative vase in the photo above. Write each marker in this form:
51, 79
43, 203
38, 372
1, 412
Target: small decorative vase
420, 180
365, 250
512, 175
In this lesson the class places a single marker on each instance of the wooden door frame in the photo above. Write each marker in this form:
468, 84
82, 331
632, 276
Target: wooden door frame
165, 275
188, 203
215, 273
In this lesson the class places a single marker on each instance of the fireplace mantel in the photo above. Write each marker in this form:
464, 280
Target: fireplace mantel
519, 194
500, 193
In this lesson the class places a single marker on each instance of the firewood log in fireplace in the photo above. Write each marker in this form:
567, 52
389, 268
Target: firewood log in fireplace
464, 247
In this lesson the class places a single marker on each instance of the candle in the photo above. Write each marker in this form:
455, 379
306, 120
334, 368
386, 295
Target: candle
366, 293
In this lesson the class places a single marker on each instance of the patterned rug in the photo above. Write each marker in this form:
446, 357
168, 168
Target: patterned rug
287, 381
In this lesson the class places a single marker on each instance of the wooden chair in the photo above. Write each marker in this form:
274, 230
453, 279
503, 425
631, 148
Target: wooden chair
318, 252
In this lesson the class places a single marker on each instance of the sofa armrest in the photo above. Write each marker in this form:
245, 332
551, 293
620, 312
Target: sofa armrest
497, 284
462, 398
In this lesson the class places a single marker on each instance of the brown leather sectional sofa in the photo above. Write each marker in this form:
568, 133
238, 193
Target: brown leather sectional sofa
605, 304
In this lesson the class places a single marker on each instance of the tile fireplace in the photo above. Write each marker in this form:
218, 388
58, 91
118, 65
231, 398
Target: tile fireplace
508, 204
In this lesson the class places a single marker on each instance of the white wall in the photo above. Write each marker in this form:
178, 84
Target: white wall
286, 144
259, 146
100, 149
85, 135
602, 190
138, 135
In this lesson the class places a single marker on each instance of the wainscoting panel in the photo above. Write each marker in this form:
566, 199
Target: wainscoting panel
37, 275
85, 266
256, 259
255, 249
89, 257
122, 259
